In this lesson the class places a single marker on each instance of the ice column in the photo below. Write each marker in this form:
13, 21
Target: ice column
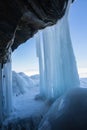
6, 88
1, 96
7, 85
58, 70
40, 55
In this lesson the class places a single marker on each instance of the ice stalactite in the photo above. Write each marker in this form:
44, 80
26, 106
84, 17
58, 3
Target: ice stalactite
58, 70
7, 85
1, 96
40, 54
6, 88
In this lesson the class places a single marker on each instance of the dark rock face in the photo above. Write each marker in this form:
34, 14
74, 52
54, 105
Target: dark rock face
21, 19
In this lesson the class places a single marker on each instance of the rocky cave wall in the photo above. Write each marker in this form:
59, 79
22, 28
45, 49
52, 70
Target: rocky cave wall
21, 19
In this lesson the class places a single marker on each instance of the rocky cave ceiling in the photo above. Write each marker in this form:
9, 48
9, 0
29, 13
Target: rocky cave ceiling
21, 19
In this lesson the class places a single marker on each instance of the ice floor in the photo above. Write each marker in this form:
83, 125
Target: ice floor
25, 102
27, 105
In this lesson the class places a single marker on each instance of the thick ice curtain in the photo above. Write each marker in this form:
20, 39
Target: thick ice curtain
58, 71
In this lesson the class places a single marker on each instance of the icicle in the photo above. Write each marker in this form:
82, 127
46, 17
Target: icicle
1, 96
7, 86
40, 54
5, 89
58, 71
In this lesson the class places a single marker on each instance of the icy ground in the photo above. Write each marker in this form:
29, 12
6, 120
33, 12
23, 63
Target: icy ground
25, 89
25, 96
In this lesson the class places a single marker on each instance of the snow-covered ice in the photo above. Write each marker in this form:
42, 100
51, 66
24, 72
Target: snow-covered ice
21, 83
68, 112
25, 103
25, 89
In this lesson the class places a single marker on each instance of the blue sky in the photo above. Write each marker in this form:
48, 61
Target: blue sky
24, 58
78, 28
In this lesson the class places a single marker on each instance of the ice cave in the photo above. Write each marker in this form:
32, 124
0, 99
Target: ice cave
61, 103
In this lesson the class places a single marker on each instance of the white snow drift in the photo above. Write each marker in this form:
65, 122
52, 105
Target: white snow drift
21, 83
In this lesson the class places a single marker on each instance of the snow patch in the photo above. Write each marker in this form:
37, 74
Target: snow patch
22, 83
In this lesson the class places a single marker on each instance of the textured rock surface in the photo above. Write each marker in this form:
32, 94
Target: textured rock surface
21, 19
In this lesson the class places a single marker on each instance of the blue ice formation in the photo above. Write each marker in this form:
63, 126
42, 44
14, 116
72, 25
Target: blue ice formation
57, 65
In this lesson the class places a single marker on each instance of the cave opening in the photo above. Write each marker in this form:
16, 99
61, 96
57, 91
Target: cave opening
25, 77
